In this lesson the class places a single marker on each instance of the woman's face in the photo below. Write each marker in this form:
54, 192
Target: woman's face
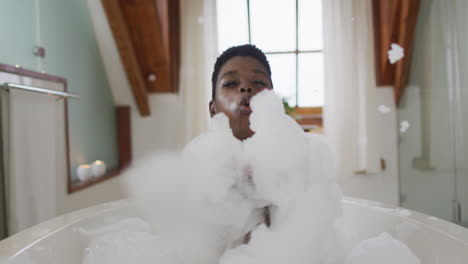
238, 81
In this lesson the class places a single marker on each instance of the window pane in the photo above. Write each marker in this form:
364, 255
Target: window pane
311, 77
273, 24
232, 23
310, 25
283, 73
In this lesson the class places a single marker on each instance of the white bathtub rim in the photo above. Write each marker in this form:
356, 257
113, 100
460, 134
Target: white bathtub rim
441, 226
28, 238
18, 243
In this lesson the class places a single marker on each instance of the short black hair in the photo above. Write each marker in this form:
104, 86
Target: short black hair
246, 50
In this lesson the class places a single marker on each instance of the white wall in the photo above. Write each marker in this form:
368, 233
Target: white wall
175, 118
160, 131
107, 191
103, 192
164, 129
381, 185
359, 133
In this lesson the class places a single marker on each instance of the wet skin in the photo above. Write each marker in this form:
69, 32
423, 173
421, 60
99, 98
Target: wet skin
238, 81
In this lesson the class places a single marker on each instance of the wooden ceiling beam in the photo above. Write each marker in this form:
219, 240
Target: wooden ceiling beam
394, 22
144, 19
171, 33
407, 23
128, 56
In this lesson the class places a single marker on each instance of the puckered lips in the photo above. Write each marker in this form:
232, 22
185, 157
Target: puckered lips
244, 105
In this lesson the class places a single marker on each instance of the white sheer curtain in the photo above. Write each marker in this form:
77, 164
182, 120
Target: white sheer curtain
350, 109
198, 54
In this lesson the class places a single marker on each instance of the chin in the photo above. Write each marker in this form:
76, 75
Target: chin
244, 135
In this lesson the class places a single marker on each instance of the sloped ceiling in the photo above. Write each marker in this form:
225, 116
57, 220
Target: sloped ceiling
394, 22
147, 34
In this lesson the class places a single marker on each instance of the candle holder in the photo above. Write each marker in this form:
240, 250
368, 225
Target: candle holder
83, 172
98, 168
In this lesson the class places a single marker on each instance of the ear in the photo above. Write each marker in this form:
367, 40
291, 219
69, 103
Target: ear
212, 108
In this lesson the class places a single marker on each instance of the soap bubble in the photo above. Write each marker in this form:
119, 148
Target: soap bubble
404, 126
384, 109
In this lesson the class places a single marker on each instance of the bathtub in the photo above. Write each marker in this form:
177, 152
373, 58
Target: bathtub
431, 239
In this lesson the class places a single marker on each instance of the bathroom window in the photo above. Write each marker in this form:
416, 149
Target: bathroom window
290, 34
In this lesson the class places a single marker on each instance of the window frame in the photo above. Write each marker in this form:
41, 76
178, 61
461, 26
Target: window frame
310, 118
296, 51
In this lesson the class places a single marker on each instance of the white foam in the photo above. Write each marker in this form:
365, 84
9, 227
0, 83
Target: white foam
405, 212
383, 249
201, 203
128, 246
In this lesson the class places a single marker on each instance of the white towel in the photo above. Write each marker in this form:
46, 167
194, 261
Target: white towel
31, 181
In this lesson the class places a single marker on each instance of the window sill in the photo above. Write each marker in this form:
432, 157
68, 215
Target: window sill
80, 185
309, 118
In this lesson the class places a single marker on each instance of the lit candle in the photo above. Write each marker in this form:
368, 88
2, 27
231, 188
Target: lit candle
98, 168
83, 172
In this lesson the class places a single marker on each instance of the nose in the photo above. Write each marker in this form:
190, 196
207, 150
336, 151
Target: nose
245, 90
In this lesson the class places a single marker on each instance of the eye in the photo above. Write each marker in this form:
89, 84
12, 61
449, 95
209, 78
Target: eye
230, 84
258, 82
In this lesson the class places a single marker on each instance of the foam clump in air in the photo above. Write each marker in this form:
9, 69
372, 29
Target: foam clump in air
396, 53
271, 198
383, 249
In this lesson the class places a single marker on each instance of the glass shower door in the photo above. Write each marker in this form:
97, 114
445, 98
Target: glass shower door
459, 42
433, 150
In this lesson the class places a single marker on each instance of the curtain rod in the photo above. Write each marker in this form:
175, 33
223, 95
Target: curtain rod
40, 90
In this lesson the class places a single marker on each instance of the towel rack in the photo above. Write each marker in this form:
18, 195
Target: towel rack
65, 95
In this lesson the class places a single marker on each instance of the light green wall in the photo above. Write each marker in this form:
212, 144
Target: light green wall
64, 28
17, 28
